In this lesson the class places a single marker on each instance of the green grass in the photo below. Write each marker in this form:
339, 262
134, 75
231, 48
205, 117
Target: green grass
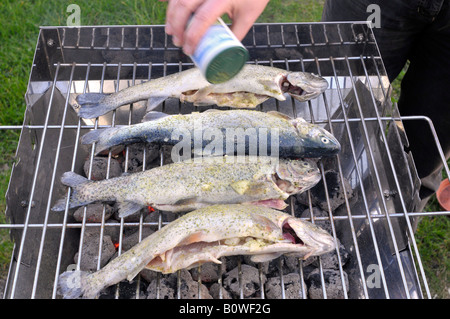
18, 35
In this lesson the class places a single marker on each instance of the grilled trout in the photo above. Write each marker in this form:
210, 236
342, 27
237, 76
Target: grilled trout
292, 138
189, 185
203, 236
251, 87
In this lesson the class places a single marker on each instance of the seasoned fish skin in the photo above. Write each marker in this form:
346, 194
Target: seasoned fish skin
290, 138
193, 184
252, 86
205, 235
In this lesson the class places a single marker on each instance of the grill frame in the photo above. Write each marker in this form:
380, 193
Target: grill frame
45, 82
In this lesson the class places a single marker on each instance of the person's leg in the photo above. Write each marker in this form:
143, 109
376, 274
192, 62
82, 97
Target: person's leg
419, 31
396, 35
426, 91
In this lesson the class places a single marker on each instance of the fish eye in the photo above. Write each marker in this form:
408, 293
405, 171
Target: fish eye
305, 164
325, 140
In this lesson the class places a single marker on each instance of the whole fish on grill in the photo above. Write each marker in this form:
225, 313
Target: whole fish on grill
249, 88
293, 138
192, 184
203, 236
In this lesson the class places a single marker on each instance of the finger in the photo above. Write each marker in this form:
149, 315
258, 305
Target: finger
241, 26
244, 19
178, 14
205, 16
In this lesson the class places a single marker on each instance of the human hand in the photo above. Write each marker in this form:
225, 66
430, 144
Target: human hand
243, 13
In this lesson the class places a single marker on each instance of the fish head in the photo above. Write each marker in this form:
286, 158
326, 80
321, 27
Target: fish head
304, 86
317, 141
295, 176
313, 239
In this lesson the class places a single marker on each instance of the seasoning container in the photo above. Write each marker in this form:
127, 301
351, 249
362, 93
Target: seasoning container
220, 55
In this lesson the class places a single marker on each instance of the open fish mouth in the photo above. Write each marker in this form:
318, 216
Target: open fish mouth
307, 90
290, 234
285, 185
288, 87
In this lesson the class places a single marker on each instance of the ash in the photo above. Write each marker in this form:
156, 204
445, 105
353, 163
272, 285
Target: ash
237, 277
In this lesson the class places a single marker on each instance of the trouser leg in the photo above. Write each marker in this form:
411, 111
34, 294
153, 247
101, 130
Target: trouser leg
418, 31
426, 91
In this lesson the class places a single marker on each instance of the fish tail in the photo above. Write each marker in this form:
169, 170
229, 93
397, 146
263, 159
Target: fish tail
77, 182
102, 138
93, 105
77, 284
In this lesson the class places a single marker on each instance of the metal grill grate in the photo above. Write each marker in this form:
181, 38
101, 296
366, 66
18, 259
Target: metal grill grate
375, 224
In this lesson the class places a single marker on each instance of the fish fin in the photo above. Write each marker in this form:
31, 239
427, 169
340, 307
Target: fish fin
129, 208
280, 115
60, 205
186, 201
93, 105
153, 102
73, 180
101, 137
153, 115
76, 284
271, 203
264, 257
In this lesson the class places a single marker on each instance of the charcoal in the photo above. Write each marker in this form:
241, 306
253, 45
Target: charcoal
317, 212
209, 272
166, 151
333, 284
89, 253
265, 266
136, 156
292, 263
100, 167
94, 213
189, 288
165, 289
330, 260
132, 239
148, 275
292, 287
250, 278
133, 218
335, 192
112, 231
214, 290
153, 217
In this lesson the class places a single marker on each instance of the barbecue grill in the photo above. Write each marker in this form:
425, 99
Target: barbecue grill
374, 222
